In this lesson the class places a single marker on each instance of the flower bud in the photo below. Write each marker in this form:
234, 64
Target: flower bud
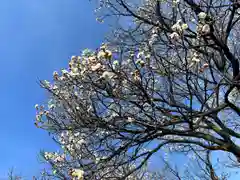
36, 106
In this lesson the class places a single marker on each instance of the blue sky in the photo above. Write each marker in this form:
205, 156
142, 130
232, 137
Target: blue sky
36, 38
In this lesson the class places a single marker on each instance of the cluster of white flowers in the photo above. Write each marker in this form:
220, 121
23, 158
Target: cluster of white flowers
153, 39
141, 58
130, 119
54, 157
79, 66
153, 36
104, 53
40, 114
107, 75
77, 174
202, 15
203, 28
96, 66
71, 141
196, 57
175, 2
174, 36
178, 28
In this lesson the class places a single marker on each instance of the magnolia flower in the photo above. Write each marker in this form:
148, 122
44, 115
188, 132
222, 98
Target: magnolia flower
138, 61
64, 71
42, 107
148, 56
184, 26
136, 75
38, 118
60, 158
97, 160
51, 106
206, 29
151, 42
175, 2
108, 54
142, 63
177, 27
140, 54
62, 78
103, 46
48, 155
153, 39
81, 141
77, 134
206, 65
74, 58
69, 147
46, 83
201, 70
86, 52
132, 54
70, 64
74, 70
202, 15
174, 36
104, 54
96, 67
195, 59
92, 59
73, 74
107, 75
36, 106
154, 31
54, 87
128, 61
115, 62
130, 119
55, 75
78, 173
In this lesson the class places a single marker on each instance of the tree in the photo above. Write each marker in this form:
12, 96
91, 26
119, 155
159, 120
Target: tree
168, 81
13, 176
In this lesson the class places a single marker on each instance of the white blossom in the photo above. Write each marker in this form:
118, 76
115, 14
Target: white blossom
174, 36
206, 29
195, 59
96, 67
36, 106
107, 75
202, 15
184, 26
177, 26
175, 2
140, 54
115, 62
64, 71
78, 173
130, 119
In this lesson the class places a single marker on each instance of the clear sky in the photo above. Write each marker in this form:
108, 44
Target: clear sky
36, 38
